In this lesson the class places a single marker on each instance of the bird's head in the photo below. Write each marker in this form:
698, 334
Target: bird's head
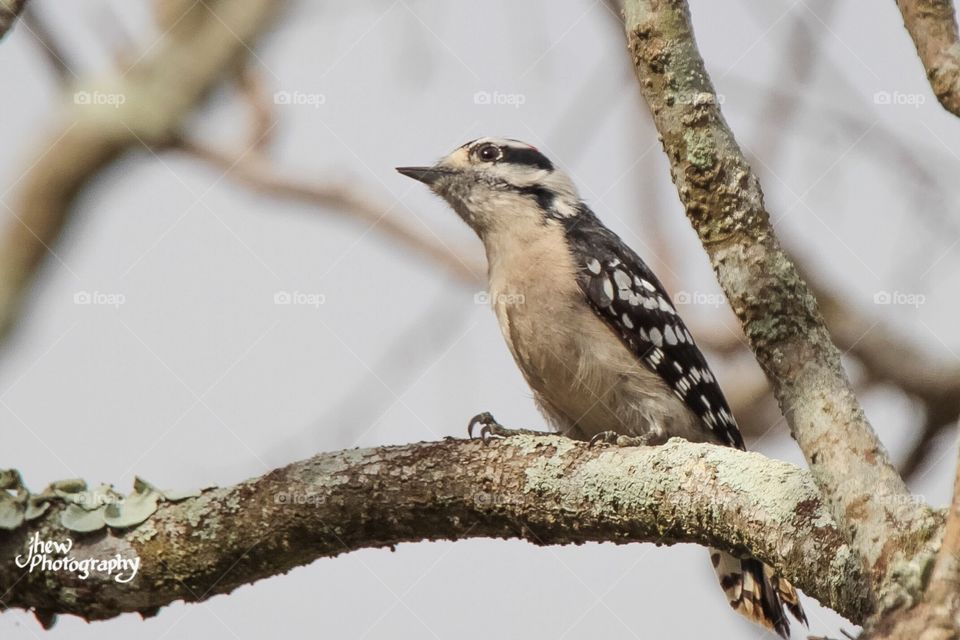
497, 183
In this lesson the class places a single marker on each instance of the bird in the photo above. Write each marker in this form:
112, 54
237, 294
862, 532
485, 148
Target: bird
592, 329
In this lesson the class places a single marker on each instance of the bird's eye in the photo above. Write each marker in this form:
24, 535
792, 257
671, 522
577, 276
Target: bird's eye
489, 153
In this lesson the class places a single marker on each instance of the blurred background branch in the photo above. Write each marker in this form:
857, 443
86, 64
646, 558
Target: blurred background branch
145, 106
9, 12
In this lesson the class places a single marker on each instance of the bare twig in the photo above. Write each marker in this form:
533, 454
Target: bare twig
254, 92
53, 53
933, 26
339, 198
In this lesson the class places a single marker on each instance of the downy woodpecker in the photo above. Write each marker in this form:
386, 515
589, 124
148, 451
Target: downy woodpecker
592, 329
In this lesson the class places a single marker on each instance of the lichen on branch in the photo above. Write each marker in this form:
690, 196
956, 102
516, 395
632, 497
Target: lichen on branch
779, 314
546, 490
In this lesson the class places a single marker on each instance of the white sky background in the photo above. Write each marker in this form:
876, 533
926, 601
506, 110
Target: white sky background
199, 378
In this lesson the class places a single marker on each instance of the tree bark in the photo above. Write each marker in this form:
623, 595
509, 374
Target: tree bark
547, 490
779, 314
933, 26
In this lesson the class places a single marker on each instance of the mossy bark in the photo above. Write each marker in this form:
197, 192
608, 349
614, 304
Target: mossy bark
778, 312
547, 490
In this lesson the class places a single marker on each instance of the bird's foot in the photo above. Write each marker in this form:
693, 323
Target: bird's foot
490, 428
620, 440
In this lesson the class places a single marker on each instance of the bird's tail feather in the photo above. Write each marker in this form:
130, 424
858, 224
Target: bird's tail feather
757, 592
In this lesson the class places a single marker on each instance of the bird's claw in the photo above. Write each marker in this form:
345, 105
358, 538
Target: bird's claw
490, 428
485, 421
618, 439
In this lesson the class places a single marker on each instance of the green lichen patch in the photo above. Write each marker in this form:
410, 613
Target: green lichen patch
12, 511
135, 508
76, 518
701, 149
85, 509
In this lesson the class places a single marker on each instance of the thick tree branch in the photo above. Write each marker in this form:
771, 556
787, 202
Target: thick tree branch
783, 325
937, 615
944, 586
547, 490
933, 26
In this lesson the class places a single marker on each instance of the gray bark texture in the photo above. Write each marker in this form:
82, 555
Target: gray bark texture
546, 490
778, 312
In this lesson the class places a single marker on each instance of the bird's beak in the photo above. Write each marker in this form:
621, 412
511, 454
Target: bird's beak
426, 175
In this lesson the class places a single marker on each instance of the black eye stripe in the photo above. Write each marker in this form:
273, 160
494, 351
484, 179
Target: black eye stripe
526, 156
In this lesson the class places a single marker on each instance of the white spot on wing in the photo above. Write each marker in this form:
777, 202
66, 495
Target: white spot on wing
622, 279
608, 288
656, 337
669, 335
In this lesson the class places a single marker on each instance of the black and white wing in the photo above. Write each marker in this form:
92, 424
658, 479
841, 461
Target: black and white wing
625, 293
